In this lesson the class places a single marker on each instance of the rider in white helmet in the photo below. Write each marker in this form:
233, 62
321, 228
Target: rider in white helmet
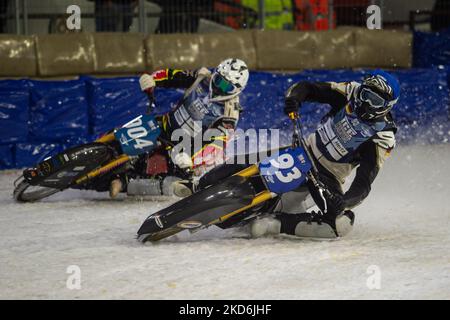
212, 99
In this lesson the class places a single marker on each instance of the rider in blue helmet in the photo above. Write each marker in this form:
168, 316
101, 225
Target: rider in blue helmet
376, 96
358, 133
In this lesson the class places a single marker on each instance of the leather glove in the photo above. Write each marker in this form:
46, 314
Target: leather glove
147, 83
291, 105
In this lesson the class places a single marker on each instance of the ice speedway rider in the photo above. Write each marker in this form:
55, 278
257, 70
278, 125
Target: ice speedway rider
212, 99
357, 133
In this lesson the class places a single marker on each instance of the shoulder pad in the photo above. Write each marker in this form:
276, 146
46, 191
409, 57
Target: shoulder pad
385, 139
340, 87
345, 88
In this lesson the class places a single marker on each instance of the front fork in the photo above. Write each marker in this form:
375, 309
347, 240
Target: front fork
109, 137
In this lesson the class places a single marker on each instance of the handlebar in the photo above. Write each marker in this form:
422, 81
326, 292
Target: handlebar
151, 100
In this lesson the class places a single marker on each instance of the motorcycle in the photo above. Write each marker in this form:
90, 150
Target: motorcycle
241, 197
88, 165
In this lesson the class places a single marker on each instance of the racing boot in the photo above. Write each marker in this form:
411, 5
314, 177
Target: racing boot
115, 188
183, 188
305, 225
266, 226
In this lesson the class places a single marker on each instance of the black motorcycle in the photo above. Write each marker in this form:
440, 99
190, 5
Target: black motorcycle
90, 166
240, 197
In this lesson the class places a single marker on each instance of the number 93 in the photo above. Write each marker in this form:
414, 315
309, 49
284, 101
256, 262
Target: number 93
284, 162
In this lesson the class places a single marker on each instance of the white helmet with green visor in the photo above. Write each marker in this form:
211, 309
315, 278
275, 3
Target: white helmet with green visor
228, 80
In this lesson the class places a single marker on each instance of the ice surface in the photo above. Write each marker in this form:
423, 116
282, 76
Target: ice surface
402, 229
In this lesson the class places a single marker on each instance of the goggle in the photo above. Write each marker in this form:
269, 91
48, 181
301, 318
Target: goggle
222, 84
375, 100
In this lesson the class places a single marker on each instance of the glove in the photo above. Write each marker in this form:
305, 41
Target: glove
182, 160
203, 72
335, 203
147, 83
291, 105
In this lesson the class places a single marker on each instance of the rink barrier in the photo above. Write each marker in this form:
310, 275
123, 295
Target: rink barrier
335, 49
18, 56
291, 50
60, 54
116, 53
383, 48
189, 51
63, 55
40, 118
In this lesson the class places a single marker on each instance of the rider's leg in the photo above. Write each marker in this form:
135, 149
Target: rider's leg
115, 187
307, 224
232, 165
304, 225
153, 186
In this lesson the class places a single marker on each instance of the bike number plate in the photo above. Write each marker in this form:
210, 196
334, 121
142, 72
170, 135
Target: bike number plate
139, 135
286, 170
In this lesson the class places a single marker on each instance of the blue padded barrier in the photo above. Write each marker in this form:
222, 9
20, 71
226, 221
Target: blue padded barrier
7, 156
68, 113
58, 110
424, 102
28, 154
14, 101
431, 49
114, 102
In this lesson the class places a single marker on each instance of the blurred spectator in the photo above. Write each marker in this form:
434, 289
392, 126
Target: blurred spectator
233, 14
312, 14
114, 15
278, 13
304, 15
351, 12
182, 15
440, 16
3, 12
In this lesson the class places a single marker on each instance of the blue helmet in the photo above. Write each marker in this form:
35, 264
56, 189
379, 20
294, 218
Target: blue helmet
376, 96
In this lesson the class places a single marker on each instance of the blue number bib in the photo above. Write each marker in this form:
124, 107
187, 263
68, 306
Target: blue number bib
286, 170
139, 135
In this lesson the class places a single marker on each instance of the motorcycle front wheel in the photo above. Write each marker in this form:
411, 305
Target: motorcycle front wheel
24, 192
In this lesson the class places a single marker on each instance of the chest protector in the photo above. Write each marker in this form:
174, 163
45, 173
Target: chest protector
339, 136
195, 112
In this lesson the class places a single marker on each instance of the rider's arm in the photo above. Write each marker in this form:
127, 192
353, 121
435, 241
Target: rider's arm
213, 151
373, 153
332, 93
174, 78
171, 78
221, 131
230, 117
214, 141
